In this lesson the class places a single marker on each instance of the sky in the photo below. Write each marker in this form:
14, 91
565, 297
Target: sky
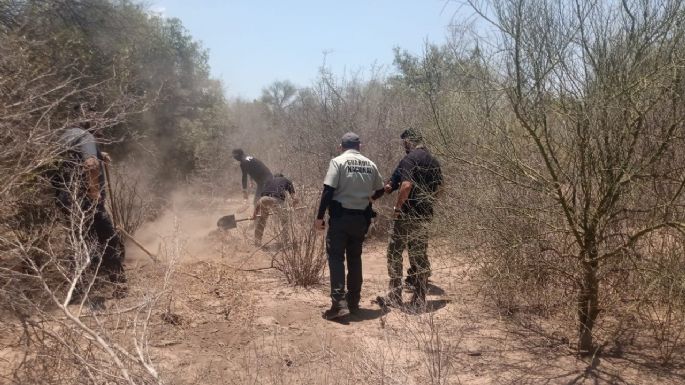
254, 43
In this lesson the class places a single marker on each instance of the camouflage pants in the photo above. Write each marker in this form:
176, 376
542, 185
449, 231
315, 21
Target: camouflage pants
410, 233
268, 206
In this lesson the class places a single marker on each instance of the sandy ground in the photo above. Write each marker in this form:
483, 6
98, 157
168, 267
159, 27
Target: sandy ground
253, 327
236, 321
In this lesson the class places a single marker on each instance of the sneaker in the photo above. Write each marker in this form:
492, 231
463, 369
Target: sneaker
337, 310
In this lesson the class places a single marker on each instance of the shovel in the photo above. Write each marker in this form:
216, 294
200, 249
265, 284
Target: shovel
229, 222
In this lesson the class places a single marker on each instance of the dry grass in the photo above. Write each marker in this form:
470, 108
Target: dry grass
302, 257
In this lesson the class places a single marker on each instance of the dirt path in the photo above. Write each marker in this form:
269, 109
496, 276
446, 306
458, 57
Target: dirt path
241, 327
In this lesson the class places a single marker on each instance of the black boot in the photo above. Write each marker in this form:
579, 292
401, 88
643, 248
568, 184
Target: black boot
418, 299
338, 309
394, 296
352, 302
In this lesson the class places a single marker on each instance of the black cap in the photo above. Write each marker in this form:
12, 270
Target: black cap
238, 153
411, 134
350, 139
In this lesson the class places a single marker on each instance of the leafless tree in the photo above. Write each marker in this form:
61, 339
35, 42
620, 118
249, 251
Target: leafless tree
587, 141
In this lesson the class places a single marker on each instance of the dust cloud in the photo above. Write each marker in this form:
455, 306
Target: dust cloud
188, 223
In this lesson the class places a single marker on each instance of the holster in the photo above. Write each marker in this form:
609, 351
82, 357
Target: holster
335, 209
369, 214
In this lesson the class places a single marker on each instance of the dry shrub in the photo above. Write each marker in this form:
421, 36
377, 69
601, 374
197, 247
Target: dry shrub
303, 258
661, 292
427, 332
42, 254
74, 342
133, 203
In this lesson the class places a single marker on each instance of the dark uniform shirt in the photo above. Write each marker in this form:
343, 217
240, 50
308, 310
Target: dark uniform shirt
255, 169
421, 169
277, 187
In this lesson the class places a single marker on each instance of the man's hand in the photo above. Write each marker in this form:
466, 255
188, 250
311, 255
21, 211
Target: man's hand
106, 157
387, 188
320, 224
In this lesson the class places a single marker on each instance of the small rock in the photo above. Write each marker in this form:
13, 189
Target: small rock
171, 318
266, 321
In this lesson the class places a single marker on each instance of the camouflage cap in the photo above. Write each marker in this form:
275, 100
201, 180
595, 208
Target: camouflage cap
411, 134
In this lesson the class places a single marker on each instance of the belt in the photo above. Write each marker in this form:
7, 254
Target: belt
352, 211
277, 196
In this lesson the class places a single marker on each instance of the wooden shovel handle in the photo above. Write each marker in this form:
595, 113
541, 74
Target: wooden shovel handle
135, 241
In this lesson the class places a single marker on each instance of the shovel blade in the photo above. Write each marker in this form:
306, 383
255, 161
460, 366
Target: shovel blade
227, 222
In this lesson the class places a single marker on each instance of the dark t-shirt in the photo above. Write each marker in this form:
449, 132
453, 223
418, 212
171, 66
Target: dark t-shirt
277, 187
255, 169
421, 169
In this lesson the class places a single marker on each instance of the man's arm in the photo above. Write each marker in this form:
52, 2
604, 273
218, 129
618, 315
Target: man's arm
394, 182
244, 180
92, 168
440, 180
242, 168
290, 188
377, 194
404, 178
326, 199
330, 183
378, 187
403, 195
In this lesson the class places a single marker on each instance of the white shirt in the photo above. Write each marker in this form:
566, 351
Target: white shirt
354, 177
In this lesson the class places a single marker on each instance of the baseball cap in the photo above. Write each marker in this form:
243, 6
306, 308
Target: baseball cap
411, 134
350, 139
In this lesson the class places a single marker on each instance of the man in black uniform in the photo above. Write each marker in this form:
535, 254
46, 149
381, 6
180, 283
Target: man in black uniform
80, 194
253, 167
273, 201
418, 178
351, 182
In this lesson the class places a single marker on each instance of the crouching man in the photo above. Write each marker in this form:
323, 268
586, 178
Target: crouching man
273, 201
80, 191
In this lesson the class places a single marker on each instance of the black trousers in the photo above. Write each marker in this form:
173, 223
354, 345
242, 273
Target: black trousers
344, 242
109, 246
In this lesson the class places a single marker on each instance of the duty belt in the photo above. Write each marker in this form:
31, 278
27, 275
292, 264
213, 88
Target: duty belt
351, 211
